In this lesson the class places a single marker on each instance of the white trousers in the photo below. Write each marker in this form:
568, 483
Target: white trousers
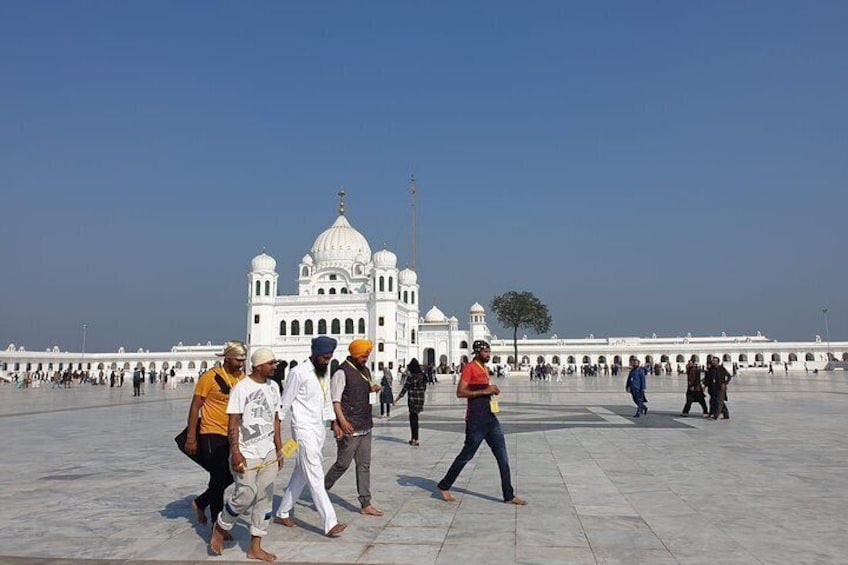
309, 470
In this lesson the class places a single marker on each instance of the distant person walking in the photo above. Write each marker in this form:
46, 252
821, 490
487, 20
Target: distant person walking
637, 383
694, 389
415, 385
211, 397
481, 424
716, 381
386, 398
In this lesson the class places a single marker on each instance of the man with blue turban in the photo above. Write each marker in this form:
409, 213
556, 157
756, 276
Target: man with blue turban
307, 397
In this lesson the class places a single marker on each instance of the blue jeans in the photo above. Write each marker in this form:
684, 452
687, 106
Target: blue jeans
639, 400
477, 430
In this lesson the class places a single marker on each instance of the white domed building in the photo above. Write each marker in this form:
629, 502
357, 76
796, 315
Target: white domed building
344, 291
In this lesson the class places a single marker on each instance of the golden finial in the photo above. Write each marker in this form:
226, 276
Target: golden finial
342, 195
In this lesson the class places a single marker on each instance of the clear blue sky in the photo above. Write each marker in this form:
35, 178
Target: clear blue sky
640, 166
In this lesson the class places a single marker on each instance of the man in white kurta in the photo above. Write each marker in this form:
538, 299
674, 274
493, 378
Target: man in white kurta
307, 396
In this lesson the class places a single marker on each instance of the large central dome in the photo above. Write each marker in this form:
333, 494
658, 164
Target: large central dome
341, 245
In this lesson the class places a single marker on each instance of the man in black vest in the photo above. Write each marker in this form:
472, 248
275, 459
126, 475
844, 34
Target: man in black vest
353, 392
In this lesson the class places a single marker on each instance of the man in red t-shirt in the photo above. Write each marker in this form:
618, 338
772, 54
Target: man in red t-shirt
480, 424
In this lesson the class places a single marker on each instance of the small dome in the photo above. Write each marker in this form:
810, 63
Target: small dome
407, 276
434, 315
263, 263
453, 320
476, 309
385, 259
307, 260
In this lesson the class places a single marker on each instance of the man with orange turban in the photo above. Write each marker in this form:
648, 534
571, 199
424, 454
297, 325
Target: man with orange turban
353, 392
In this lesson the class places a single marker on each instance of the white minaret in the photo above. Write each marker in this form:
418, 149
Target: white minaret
384, 308
262, 293
477, 323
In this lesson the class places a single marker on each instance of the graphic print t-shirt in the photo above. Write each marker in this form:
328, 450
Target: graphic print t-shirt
257, 404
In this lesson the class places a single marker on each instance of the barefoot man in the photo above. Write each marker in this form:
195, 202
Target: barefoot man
307, 397
480, 424
255, 454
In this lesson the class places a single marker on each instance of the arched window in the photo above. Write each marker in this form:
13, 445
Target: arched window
382, 283
413, 298
267, 288
258, 288
344, 290
793, 357
381, 347
726, 358
664, 359
496, 359
335, 327
307, 327
586, 360
463, 344
412, 336
332, 291
758, 358
282, 327
322, 326
540, 359
510, 360
809, 357
602, 360
525, 360
696, 358
204, 366
361, 326
681, 359
191, 364
320, 291
649, 359
304, 272
571, 360
349, 326
295, 327
555, 360
178, 365
775, 357
405, 297
390, 283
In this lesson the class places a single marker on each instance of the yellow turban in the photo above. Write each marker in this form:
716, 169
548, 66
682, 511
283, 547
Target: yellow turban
359, 347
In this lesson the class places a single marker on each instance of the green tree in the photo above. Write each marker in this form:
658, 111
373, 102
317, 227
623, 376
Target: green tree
521, 310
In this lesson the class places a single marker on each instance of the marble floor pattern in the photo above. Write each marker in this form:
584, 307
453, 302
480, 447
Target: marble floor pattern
91, 475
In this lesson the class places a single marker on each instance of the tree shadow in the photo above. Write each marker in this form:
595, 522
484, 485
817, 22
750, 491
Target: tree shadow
430, 486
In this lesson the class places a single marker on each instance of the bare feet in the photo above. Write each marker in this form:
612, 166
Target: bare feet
517, 501
371, 510
216, 542
201, 514
287, 522
446, 496
256, 551
336, 530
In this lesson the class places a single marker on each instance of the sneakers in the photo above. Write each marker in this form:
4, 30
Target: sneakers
684, 415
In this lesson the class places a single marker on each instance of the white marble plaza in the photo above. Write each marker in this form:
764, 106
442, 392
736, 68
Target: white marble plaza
91, 475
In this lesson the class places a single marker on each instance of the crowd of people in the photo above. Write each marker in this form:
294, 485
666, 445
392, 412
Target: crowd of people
234, 423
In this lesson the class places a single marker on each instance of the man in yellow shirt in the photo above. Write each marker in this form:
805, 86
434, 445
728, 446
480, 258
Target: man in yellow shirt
211, 395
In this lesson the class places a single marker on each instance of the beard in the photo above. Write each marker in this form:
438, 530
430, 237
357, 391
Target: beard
321, 371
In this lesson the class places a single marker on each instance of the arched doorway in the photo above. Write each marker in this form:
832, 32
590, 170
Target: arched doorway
429, 356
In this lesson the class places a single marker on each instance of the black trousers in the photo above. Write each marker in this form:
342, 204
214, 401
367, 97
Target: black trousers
413, 424
695, 396
215, 450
